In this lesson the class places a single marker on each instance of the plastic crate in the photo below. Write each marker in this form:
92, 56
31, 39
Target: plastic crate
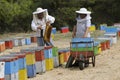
31, 71
28, 41
22, 74
48, 52
2, 70
40, 66
49, 64
11, 64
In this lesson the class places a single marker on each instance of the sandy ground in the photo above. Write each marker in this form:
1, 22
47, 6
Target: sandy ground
107, 65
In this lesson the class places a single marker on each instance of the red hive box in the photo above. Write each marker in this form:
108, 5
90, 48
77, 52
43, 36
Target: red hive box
33, 39
66, 55
103, 45
2, 79
108, 44
39, 54
8, 44
2, 46
64, 29
119, 33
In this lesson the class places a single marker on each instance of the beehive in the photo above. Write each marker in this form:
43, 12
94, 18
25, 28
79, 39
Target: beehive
27, 40
23, 74
30, 56
40, 66
49, 64
2, 46
56, 61
13, 76
2, 70
8, 44
31, 71
48, 52
15, 42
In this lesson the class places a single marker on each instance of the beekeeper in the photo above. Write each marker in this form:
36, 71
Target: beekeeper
40, 19
81, 29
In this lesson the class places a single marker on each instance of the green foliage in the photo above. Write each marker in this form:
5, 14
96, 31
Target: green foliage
65, 17
12, 14
16, 15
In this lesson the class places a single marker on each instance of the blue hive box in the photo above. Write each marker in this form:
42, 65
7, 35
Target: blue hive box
48, 52
111, 29
11, 65
102, 27
21, 60
54, 30
28, 41
80, 45
31, 71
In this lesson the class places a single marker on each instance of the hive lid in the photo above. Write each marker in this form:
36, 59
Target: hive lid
18, 54
48, 47
7, 59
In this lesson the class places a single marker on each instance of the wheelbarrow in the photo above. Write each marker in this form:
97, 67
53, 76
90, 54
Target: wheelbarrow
81, 55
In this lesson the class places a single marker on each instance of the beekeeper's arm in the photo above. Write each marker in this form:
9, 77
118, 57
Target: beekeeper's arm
50, 19
35, 27
74, 31
88, 24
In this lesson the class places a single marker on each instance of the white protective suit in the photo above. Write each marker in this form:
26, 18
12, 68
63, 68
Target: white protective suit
37, 22
82, 24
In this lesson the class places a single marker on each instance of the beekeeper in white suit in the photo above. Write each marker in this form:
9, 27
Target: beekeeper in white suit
81, 29
40, 19
83, 23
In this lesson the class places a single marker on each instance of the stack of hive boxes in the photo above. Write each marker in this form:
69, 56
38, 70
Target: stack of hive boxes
48, 57
11, 67
40, 60
22, 65
30, 62
55, 56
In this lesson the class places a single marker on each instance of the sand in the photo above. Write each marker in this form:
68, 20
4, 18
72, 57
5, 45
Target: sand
107, 67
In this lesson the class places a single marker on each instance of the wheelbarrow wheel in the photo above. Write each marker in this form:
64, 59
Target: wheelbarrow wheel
93, 61
81, 62
86, 63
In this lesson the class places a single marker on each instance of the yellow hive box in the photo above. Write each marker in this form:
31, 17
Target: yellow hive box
99, 50
23, 74
61, 58
92, 28
30, 59
49, 64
